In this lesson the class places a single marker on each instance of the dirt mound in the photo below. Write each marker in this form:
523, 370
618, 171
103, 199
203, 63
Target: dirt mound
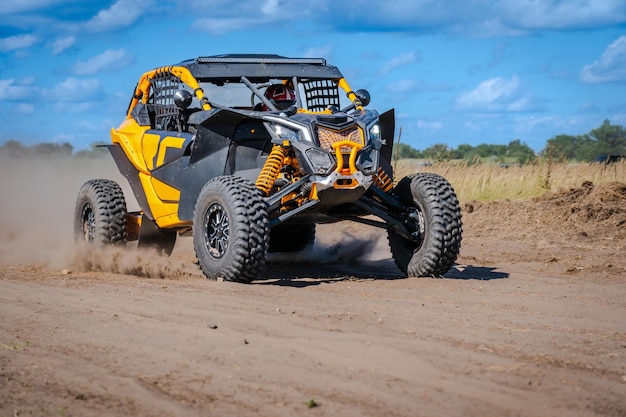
583, 229
604, 204
595, 211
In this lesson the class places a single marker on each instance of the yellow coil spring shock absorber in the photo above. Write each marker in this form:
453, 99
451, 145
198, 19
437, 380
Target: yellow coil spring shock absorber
271, 169
382, 180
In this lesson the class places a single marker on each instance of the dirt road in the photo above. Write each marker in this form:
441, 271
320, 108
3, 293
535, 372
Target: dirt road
531, 322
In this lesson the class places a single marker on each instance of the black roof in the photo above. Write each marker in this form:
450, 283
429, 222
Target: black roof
259, 67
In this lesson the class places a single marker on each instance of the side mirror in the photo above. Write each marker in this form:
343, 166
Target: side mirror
182, 99
364, 96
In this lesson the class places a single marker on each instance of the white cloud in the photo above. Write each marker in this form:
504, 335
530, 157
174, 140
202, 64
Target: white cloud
496, 94
610, 67
222, 16
489, 92
425, 125
61, 44
13, 43
478, 18
588, 107
109, 60
21, 6
401, 86
523, 125
74, 90
320, 52
221, 26
123, 13
398, 61
271, 7
11, 90
25, 108
76, 107
559, 14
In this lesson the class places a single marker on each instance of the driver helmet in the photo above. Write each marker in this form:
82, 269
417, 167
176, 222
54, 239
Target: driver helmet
280, 96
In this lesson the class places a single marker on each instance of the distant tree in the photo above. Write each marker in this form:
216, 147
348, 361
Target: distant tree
587, 148
562, 147
607, 139
402, 150
13, 149
96, 150
52, 149
439, 152
610, 139
519, 151
462, 151
491, 151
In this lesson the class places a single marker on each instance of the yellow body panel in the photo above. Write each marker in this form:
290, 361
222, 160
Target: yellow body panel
165, 213
154, 148
165, 192
168, 142
129, 136
146, 152
149, 149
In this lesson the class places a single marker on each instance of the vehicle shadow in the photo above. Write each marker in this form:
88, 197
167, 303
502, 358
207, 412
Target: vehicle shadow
482, 273
305, 274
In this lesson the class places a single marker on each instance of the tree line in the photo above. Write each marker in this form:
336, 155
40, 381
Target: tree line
607, 139
15, 149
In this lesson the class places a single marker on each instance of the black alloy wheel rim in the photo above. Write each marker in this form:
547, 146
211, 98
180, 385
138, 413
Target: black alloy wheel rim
216, 230
89, 223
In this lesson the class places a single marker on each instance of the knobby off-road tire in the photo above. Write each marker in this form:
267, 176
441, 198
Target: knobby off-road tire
291, 237
230, 229
100, 214
439, 213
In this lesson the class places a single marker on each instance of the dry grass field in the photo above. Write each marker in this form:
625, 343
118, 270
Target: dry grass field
493, 182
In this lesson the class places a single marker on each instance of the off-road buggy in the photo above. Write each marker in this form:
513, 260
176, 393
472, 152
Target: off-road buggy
208, 153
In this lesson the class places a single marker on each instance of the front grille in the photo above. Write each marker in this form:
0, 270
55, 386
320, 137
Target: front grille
328, 136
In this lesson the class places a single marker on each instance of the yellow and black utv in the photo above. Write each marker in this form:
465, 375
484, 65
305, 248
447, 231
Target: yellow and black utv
248, 153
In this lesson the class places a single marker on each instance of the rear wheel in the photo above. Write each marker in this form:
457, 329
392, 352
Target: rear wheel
100, 213
230, 229
434, 216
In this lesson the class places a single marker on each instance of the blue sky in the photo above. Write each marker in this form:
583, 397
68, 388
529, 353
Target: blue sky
456, 71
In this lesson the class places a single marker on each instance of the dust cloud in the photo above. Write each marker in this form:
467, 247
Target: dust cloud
36, 221
37, 205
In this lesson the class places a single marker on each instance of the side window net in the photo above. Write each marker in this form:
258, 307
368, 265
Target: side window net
164, 86
320, 94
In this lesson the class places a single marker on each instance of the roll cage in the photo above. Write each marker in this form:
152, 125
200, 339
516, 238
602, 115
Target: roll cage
315, 83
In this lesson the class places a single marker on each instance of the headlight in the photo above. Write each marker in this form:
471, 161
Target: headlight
367, 161
375, 132
321, 161
285, 133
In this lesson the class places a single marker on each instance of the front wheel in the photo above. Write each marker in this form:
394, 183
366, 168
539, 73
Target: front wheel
100, 213
434, 215
230, 229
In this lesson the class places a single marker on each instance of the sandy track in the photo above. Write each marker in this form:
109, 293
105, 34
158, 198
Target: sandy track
487, 341
522, 327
